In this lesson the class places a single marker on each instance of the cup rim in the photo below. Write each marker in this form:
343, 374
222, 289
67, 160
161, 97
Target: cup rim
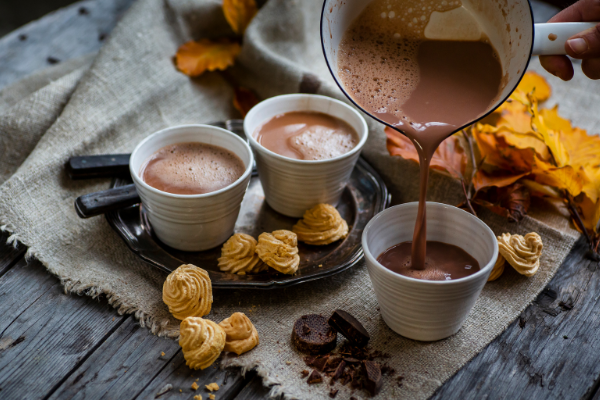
266, 102
374, 262
139, 181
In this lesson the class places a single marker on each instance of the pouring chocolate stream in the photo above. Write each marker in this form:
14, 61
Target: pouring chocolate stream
426, 89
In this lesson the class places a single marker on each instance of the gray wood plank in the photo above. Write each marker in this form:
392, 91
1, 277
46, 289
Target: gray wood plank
9, 254
45, 333
180, 377
20, 287
255, 390
121, 367
550, 352
68, 33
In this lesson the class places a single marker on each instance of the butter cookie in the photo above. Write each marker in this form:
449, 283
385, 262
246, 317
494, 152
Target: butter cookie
238, 255
188, 292
201, 341
241, 334
321, 225
522, 253
498, 268
279, 250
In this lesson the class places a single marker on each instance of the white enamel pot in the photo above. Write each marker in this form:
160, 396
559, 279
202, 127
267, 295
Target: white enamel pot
508, 25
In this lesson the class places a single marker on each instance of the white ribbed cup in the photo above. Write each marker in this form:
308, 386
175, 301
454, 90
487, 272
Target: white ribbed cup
193, 222
420, 309
293, 186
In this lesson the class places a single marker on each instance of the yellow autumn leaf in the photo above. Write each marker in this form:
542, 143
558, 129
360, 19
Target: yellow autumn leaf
193, 58
568, 178
551, 138
239, 13
533, 82
588, 210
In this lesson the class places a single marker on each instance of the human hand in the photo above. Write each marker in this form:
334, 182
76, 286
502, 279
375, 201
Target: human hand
584, 46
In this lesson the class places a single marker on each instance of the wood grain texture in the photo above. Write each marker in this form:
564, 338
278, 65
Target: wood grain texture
177, 374
255, 390
68, 33
550, 352
9, 254
45, 333
121, 367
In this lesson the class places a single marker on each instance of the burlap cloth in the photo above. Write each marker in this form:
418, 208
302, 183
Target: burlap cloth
132, 89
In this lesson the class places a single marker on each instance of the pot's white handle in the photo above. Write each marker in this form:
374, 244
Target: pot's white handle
550, 38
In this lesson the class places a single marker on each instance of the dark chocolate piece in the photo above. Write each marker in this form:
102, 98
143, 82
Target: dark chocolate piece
311, 334
315, 377
304, 373
373, 380
333, 393
339, 371
349, 327
320, 362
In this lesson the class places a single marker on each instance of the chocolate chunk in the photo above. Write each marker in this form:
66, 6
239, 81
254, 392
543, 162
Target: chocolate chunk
311, 334
332, 363
373, 380
349, 327
333, 393
339, 371
320, 362
351, 360
304, 373
315, 377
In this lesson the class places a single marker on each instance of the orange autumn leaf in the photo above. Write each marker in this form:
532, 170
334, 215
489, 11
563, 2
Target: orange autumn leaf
194, 58
239, 13
483, 180
568, 178
497, 153
449, 157
244, 99
533, 82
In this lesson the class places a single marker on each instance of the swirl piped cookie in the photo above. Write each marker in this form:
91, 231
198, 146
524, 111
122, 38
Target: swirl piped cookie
201, 341
279, 250
522, 252
238, 255
321, 225
241, 335
188, 292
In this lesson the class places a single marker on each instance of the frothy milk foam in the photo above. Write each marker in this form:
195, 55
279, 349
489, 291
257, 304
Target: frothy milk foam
191, 168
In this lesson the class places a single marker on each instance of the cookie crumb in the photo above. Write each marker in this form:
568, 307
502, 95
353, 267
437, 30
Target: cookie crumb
198, 397
213, 387
211, 396
195, 386
162, 353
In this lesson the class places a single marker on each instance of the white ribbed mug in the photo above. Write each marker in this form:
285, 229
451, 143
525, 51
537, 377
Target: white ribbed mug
192, 222
420, 309
293, 186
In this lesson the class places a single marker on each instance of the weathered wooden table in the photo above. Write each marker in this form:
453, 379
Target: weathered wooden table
55, 346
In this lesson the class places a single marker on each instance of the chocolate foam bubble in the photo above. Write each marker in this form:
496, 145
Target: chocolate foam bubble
191, 168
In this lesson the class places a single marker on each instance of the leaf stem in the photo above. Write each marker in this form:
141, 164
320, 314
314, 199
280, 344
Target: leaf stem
468, 200
573, 209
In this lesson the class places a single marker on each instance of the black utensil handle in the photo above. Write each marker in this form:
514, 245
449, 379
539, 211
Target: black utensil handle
99, 166
92, 204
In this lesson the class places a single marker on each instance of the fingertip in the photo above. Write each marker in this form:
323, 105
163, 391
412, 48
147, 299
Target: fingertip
591, 68
559, 66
